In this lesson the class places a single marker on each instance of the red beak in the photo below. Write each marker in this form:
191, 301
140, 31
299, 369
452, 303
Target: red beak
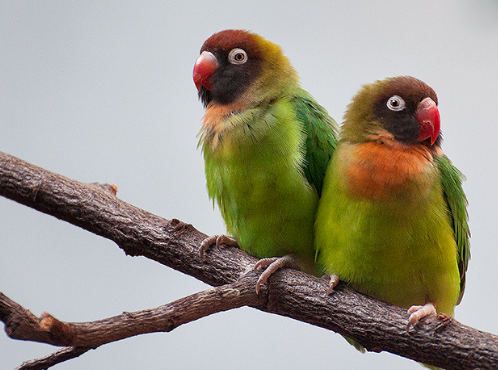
427, 116
204, 67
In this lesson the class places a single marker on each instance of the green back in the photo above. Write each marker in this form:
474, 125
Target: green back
451, 181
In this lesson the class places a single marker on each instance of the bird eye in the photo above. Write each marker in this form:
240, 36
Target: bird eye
237, 56
395, 103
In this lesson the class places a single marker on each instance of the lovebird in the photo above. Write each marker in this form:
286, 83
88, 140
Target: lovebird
392, 219
266, 145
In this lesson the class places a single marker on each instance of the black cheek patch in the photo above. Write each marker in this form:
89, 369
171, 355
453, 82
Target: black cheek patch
403, 126
228, 86
230, 81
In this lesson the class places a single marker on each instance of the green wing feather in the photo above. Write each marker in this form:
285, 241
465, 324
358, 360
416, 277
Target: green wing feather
321, 138
451, 180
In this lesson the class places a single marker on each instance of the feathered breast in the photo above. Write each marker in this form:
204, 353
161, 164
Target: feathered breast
375, 170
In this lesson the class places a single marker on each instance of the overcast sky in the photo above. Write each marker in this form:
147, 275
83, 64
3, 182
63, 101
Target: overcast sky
102, 91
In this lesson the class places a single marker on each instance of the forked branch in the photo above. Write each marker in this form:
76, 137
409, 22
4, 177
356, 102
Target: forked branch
376, 325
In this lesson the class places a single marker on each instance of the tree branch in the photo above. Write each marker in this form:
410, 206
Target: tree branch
22, 324
376, 325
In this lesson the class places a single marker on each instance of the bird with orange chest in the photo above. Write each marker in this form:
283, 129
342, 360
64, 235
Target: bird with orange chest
266, 146
392, 219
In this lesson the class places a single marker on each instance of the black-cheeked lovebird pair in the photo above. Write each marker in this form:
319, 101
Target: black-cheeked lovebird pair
381, 207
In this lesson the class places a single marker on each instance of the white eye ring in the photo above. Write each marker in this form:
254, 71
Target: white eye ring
396, 103
237, 56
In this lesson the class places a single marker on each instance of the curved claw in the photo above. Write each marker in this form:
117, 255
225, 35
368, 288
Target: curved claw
418, 312
272, 265
334, 280
218, 240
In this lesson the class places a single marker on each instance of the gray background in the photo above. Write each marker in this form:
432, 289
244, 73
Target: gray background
103, 91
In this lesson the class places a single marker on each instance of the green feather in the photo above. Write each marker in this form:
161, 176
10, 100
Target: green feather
321, 139
392, 219
266, 149
451, 181
398, 249
263, 176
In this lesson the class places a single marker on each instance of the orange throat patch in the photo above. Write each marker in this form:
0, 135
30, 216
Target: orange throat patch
217, 113
214, 122
377, 169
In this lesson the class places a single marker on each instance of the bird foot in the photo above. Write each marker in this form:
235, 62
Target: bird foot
272, 264
334, 280
418, 312
218, 240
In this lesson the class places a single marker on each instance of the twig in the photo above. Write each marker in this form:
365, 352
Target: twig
43, 363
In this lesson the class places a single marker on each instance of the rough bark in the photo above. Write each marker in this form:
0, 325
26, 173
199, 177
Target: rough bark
376, 325
22, 324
